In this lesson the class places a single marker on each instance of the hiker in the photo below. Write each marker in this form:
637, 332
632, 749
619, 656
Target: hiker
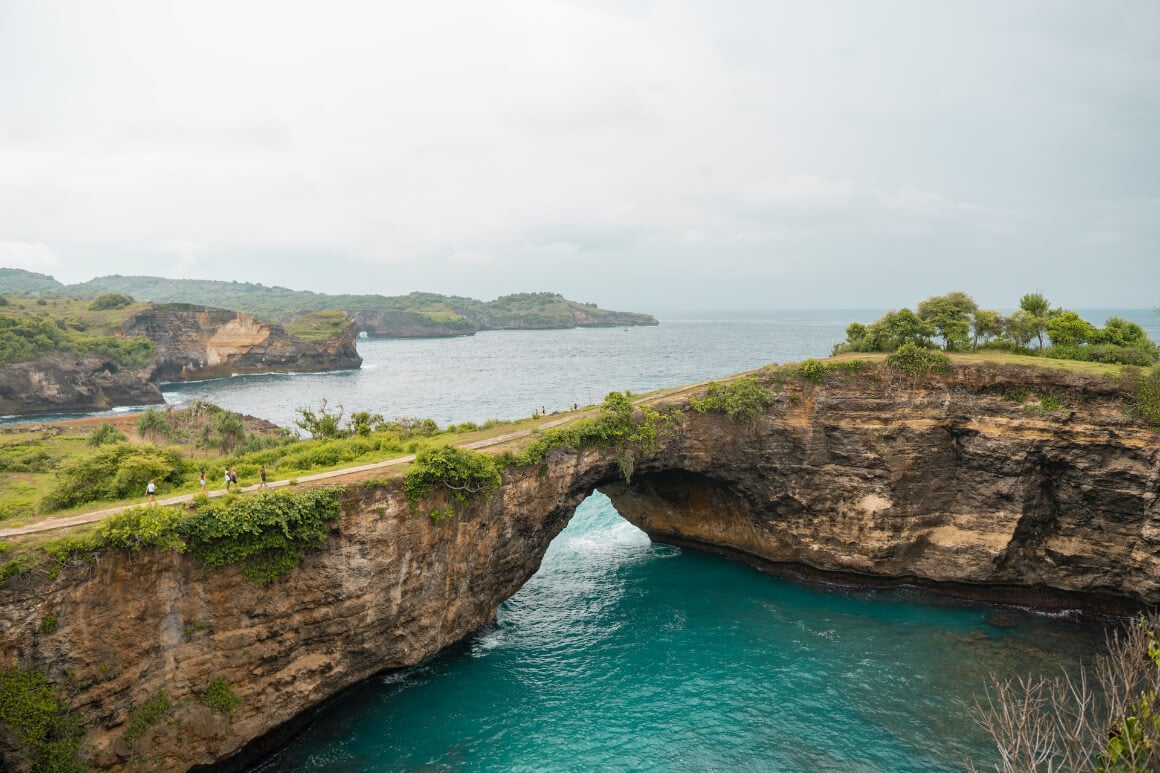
229, 480
151, 490
234, 477
262, 475
201, 482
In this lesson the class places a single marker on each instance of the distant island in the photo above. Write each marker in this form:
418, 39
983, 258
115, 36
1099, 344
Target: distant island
402, 316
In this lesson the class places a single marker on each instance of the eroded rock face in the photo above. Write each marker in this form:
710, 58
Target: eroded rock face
191, 343
64, 383
943, 480
947, 481
202, 342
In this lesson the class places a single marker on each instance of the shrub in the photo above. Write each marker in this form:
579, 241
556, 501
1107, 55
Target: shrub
461, 471
142, 717
1147, 400
742, 399
265, 535
106, 301
916, 360
106, 434
219, 697
113, 472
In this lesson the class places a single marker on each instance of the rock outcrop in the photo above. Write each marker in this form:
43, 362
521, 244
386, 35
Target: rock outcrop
965, 480
191, 342
62, 383
195, 342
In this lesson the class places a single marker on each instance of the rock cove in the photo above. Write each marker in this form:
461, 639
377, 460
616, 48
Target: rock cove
951, 481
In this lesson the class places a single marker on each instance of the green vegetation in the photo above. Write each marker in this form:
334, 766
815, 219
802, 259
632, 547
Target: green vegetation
106, 434
48, 734
49, 625
24, 338
142, 717
963, 326
459, 470
1147, 399
113, 472
742, 399
619, 425
278, 304
219, 697
266, 535
107, 301
917, 361
319, 326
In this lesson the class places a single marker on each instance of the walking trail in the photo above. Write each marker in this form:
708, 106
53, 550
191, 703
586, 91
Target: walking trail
99, 515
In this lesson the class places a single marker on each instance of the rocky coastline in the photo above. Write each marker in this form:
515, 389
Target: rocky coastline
962, 483
190, 342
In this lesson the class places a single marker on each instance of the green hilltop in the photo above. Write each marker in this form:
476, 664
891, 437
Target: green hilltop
412, 314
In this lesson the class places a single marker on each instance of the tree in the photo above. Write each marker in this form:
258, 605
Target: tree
1070, 329
321, 424
153, 423
1105, 719
897, 327
231, 431
1023, 326
1121, 332
986, 325
1037, 310
950, 316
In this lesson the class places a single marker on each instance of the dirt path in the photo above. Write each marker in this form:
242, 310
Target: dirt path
350, 473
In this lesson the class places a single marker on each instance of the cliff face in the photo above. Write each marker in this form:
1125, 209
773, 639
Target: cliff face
202, 342
951, 480
62, 383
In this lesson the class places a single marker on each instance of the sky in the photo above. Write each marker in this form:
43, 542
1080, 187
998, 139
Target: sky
642, 155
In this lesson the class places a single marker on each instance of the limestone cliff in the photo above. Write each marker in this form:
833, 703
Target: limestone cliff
191, 342
62, 382
196, 342
965, 480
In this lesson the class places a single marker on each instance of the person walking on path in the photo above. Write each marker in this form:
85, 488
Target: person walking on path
229, 480
151, 490
201, 482
262, 475
234, 477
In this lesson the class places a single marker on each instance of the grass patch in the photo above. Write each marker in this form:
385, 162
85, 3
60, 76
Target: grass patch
319, 326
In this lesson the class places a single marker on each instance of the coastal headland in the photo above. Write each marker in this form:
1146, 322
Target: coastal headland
1022, 484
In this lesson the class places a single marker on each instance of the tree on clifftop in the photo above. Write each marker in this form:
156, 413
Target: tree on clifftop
950, 315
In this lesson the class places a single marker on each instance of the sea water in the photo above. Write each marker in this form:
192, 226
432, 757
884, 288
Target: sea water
620, 654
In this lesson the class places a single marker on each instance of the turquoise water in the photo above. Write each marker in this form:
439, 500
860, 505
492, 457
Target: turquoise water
624, 655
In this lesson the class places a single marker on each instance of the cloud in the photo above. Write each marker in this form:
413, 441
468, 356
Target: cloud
30, 256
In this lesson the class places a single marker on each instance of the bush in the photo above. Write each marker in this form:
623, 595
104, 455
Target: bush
113, 472
916, 360
1109, 353
142, 717
742, 399
219, 697
265, 535
107, 301
1147, 400
106, 434
461, 471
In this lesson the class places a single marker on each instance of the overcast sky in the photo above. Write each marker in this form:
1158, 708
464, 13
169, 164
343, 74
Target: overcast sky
643, 155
